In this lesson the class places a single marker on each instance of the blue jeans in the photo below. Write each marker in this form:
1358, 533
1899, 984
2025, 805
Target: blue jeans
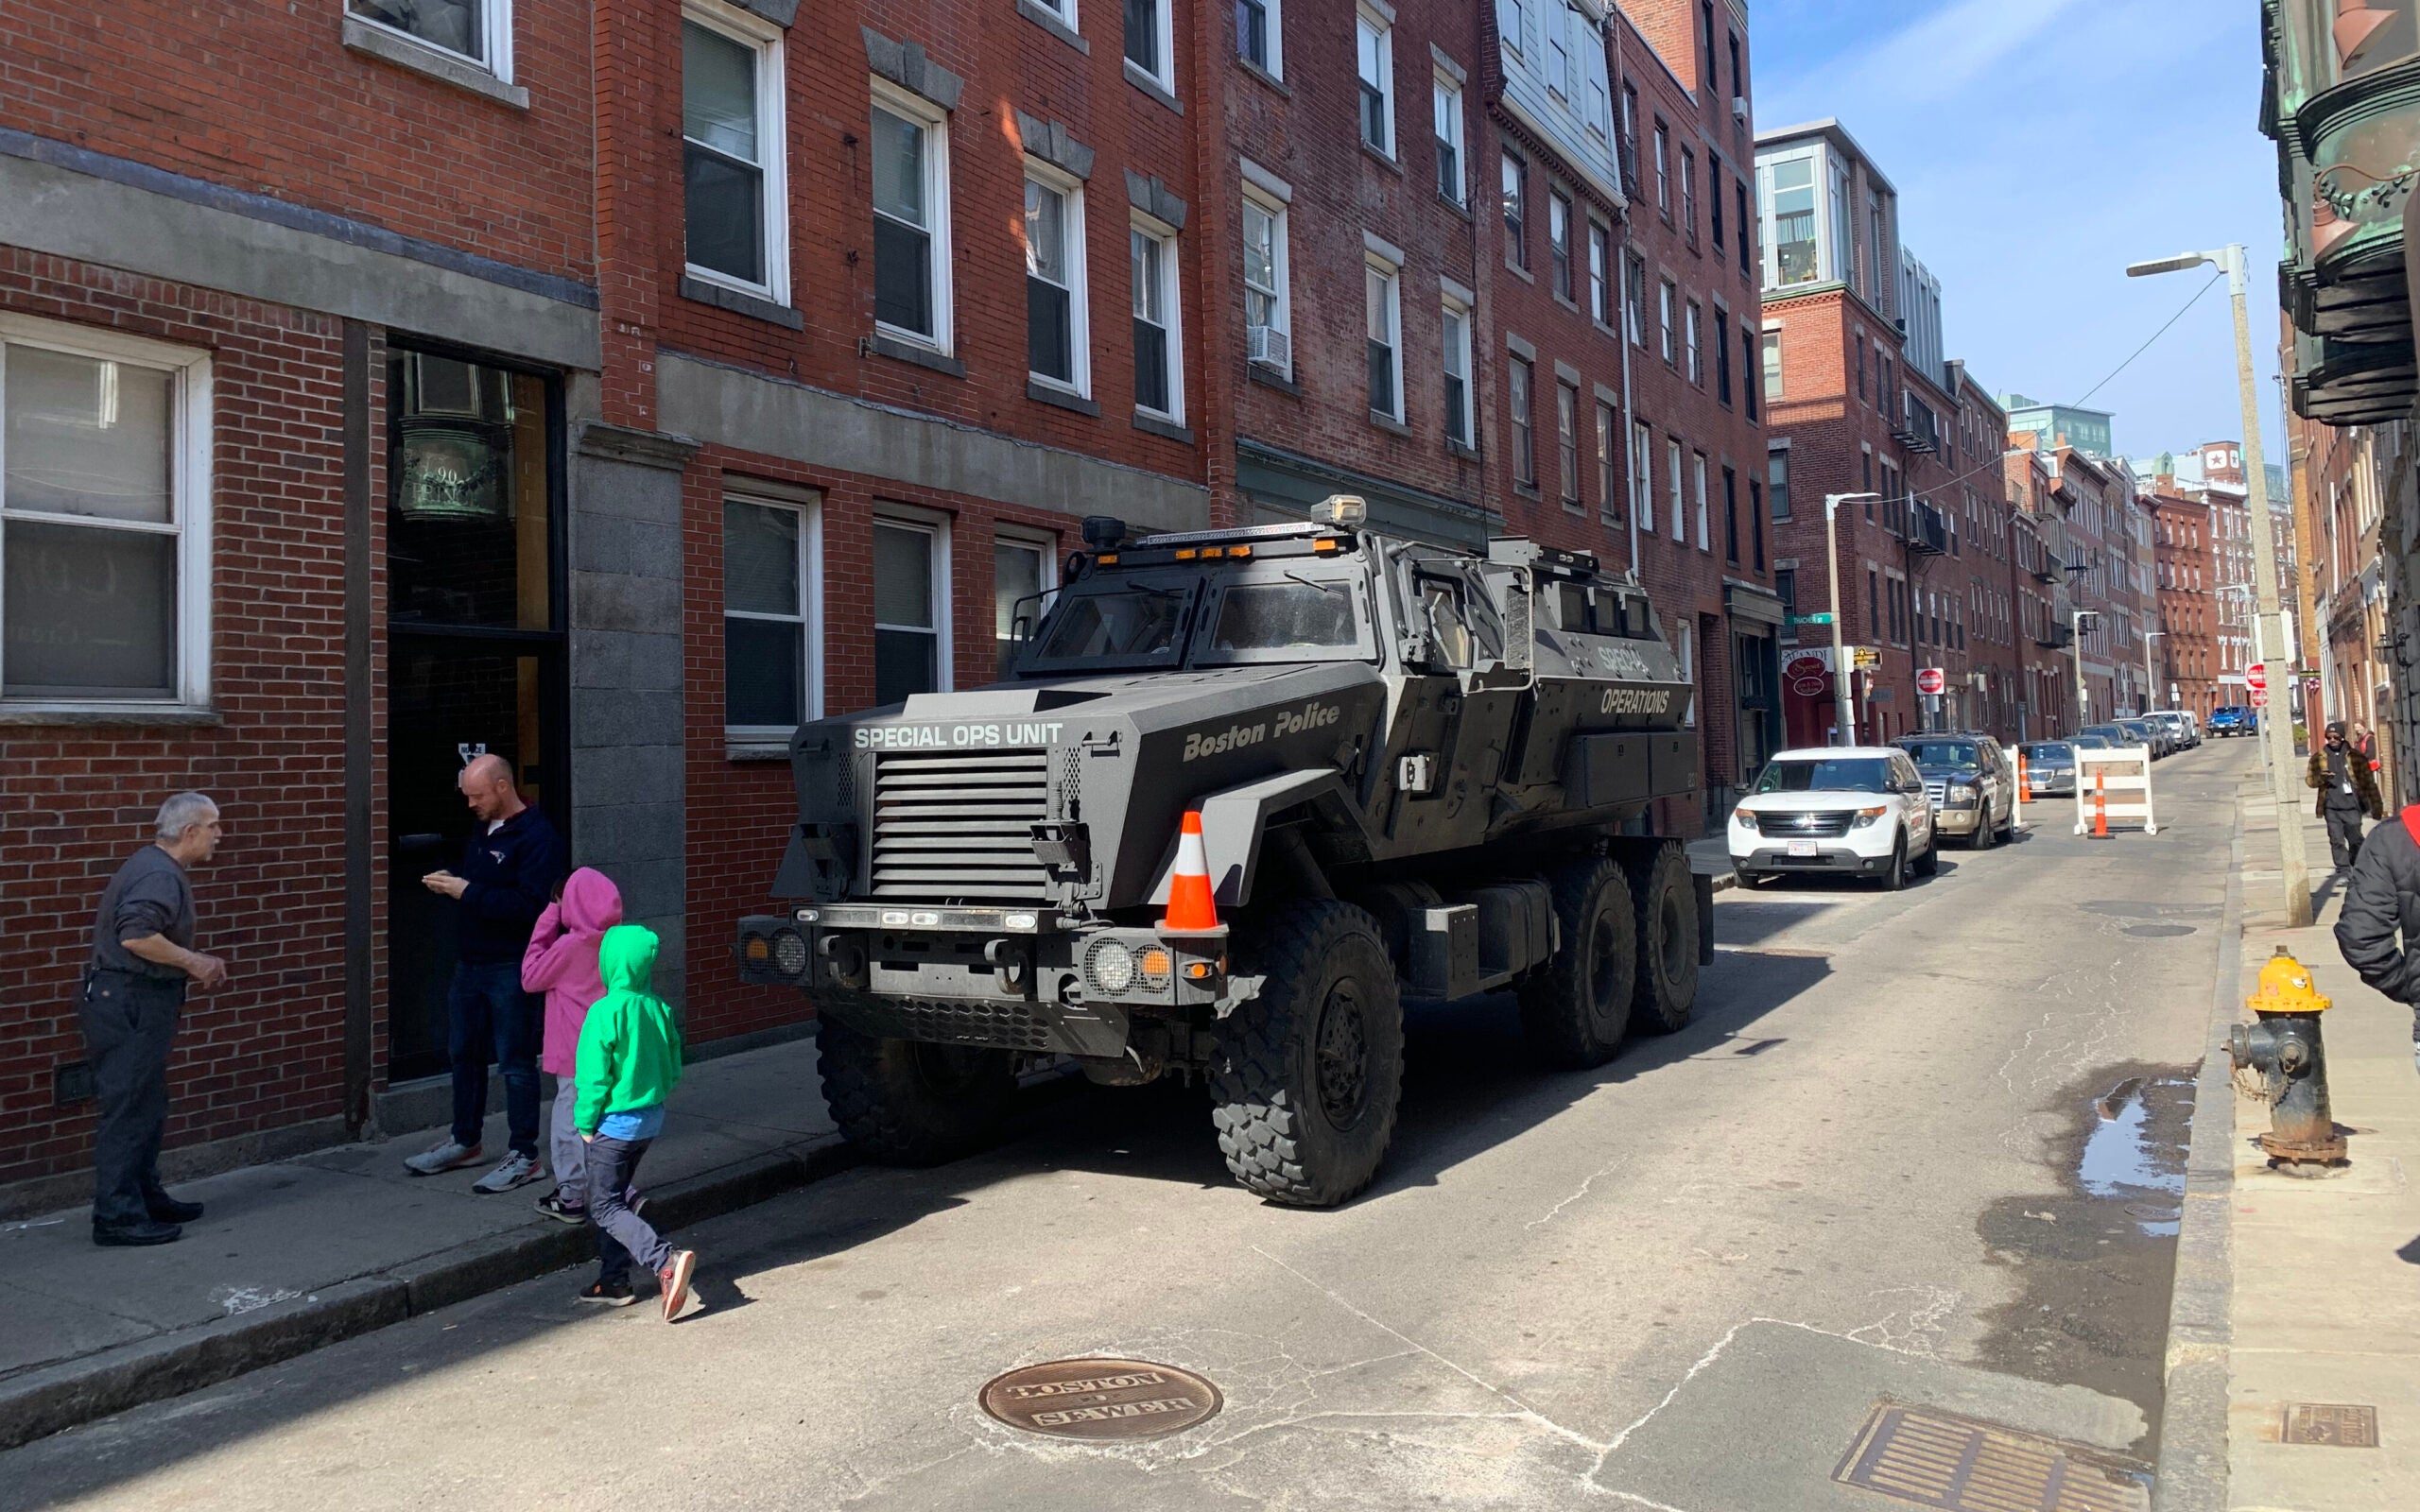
489, 1015
622, 1236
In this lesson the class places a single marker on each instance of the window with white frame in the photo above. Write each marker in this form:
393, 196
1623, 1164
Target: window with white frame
1559, 241
1663, 170
1566, 436
1456, 328
1600, 256
1267, 318
1525, 445
771, 614
1697, 471
1057, 340
1606, 425
105, 452
1642, 475
1668, 308
1384, 313
1151, 40
1260, 38
1635, 297
1672, 468
1772, 355
735, 206
1695, 346
1373, 40
910, 607
480, 30
1447, 100
911, 273
1159, 336
1516, 211
1022, 575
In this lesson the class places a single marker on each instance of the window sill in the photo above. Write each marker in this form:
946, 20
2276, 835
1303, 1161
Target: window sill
754, 748
1260, 372
1518, 272
121, 717
1161, 425
1264, 76
1388, 423
1043, 393
1053, 25
755, 306
880, 345
1391, 164
1152, 87
393, 47
1574, 508
1468, 453
1528, 491
1567, 302
1458, 207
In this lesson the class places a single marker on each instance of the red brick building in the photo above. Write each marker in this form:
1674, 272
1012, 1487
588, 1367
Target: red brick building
611, 388
2187, 650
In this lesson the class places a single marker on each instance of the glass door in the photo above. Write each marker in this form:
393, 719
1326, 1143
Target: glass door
475, 662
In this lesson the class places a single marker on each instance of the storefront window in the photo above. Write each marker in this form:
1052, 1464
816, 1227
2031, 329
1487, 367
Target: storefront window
468, 516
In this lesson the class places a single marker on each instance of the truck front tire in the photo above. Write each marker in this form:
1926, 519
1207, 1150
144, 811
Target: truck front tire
905, 1103
1668, 941
1308, 1073
1575, 1011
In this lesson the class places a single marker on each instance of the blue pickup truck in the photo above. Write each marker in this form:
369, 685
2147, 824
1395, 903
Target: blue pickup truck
2234, 719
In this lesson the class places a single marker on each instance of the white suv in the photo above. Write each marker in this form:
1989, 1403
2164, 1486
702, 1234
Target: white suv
1853, 810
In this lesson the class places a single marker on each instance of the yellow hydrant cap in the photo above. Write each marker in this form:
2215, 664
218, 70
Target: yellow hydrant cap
2286, 988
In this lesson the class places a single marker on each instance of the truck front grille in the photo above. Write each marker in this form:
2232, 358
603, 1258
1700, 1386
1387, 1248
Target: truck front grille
955, 827
1806, 824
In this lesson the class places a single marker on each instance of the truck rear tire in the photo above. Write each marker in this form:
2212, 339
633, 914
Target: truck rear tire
906, 1102
1575, 1011
1308, 1073
1668, 941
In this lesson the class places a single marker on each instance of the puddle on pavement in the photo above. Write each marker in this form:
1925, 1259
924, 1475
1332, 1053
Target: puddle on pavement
2095, 1263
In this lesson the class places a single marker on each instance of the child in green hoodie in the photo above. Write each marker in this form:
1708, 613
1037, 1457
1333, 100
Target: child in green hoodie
628, 1062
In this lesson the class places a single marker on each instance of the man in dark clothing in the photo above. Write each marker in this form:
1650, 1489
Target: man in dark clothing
509, 871
2379, 930
2347, 793
135, 988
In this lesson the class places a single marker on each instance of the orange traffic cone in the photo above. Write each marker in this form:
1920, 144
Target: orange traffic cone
2099, 805
1191, 909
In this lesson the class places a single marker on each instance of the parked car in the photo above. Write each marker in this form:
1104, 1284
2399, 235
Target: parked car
2050, 766
2179, 725
2118, 735
2234, 719
2088, 741
2150, 731
1854, 810
1971, 782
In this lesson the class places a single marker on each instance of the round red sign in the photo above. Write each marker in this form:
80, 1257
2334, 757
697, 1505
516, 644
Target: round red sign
2260, 697
1807, 687
1805, 666
2255, 677
1930, 682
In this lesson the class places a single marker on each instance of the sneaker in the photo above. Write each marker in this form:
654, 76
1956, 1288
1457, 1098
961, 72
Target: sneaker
518, 1170
675, 1277
445, 1154
554, 1207
608, 1294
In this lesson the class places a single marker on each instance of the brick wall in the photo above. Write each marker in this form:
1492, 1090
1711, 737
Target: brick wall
267, 1049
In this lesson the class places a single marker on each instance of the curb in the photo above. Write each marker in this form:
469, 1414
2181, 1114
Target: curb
45, 1400
2192, 1471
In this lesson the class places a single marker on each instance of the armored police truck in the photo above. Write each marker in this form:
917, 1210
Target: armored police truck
1419, 772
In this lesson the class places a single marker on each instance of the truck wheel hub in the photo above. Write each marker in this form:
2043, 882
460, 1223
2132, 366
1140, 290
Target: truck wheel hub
1343, 1053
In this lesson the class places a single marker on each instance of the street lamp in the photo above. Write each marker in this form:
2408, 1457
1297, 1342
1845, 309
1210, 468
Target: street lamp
2277, 734
1843, 729
2075, 649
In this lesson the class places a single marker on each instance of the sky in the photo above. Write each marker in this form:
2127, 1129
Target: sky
2039, 146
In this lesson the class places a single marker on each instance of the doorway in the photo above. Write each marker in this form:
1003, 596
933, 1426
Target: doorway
474, 661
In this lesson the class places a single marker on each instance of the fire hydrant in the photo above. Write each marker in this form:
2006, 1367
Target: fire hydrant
2289, 1065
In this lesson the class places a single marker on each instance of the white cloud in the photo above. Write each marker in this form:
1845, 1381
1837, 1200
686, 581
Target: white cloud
1940, 56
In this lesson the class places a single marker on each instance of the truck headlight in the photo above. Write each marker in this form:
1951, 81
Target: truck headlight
1745, 817
1963, 793
1865, 818
1110, 965
789, 953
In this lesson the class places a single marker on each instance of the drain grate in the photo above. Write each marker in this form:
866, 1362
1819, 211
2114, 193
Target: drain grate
2333, 1424
1100, 1400
1938, 1459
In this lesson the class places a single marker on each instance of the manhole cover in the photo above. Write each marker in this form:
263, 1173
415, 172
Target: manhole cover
2159, 931
1938, 1459
2337, 1426
1101, 1398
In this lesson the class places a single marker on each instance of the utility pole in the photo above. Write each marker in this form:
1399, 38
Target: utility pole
2269, 637
2075, 648
1845, 732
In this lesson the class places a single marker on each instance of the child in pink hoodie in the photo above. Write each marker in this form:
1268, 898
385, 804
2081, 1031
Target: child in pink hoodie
561, 963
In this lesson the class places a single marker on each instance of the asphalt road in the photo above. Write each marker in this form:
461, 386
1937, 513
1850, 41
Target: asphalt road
1917, 1147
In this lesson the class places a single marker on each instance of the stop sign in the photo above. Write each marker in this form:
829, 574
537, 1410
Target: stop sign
1930, 682
2255, 677
2260, 697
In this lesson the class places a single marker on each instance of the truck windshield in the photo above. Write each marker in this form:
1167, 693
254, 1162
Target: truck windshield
1942, 753
1844, 774
1296, 617
1135, 623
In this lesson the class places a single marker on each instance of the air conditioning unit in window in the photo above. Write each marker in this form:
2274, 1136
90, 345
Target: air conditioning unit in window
1739, 106
1269, 346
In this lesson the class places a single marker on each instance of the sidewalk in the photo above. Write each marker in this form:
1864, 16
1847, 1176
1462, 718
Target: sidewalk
303, 1252
2326, 1295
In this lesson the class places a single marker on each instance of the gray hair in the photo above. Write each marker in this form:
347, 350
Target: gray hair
184, 811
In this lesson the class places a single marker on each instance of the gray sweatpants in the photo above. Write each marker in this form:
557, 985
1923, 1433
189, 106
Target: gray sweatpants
571, 1156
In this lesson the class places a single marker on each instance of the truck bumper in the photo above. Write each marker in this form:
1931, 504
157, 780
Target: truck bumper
1837, 860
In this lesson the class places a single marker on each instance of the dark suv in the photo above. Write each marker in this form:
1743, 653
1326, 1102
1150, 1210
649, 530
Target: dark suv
1971, 781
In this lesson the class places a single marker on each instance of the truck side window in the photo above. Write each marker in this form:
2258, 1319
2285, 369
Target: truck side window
1574, 601
1441, 607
